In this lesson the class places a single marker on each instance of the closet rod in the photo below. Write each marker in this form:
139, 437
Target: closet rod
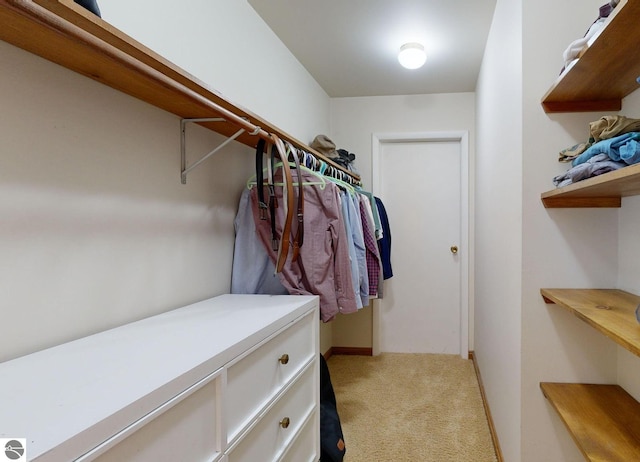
90, 46
255, 130
184, 170
106, 50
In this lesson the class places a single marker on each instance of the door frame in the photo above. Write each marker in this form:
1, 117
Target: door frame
462, 137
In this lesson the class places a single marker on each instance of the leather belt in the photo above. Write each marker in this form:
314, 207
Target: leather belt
298, 239
288, 198
273, 200
262, 205
281, 244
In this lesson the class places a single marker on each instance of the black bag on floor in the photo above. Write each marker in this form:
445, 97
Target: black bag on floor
332, 447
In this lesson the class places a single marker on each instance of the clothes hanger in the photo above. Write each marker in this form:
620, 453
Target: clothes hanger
311, 161
251, 182
305, 155
302, 156
343, 184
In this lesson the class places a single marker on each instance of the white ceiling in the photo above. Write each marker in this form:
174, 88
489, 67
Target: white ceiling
350, 46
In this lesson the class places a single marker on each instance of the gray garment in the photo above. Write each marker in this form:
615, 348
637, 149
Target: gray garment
353, 259
596, 165
361, 251
253, 272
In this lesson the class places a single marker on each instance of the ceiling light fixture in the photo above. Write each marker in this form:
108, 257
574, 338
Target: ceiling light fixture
412, 55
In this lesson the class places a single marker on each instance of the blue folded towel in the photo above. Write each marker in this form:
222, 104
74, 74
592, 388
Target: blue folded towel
623, 148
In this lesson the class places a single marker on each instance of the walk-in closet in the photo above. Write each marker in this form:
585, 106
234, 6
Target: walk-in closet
242, 231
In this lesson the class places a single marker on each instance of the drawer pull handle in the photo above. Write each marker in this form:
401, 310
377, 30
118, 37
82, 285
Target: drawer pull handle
284, 359
284, 423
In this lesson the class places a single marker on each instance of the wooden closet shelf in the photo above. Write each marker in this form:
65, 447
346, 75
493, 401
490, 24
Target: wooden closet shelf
67, 34
610, 311
607, 70
603, 420
600, 191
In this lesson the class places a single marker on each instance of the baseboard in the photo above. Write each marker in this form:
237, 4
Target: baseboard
492, 428
360, 351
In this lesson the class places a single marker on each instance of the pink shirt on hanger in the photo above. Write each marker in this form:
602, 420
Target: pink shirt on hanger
323, 267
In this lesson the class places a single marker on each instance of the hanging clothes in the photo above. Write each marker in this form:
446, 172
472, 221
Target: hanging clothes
322, 267
376, 215
252, 272
331, 246
384, 244
357, 253
344, 203
372, 254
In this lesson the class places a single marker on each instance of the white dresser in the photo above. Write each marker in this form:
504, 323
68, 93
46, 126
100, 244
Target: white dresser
231, 379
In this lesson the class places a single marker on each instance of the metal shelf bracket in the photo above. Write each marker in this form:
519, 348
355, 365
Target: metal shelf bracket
184, 170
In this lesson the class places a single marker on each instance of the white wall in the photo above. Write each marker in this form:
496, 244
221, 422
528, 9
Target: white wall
227, 45
499, 224
559, 247
629, 263
96, 228
353, 120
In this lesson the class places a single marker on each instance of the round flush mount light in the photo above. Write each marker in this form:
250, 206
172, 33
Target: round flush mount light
412, 55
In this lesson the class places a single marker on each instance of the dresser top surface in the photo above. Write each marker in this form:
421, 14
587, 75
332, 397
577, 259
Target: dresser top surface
55, 394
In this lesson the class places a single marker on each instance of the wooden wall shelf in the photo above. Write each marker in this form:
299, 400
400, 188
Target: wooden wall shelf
610, 311
600, 191
67, 34
607, 70
603, 420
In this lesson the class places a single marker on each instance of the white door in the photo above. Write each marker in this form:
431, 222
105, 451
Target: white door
419, 182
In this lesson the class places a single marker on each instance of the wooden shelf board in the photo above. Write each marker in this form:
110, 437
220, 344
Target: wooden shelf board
600, 191
613, 105
603, 420
606, 72
47, 36
65, 33
610, 311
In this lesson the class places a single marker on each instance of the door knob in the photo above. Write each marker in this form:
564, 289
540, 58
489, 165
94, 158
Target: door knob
454, 249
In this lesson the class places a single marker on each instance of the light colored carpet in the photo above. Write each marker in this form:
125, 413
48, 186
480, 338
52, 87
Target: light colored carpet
410, 407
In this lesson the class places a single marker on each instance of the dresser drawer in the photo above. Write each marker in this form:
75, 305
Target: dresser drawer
267, 440
185, 428
258, 376
305, 448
